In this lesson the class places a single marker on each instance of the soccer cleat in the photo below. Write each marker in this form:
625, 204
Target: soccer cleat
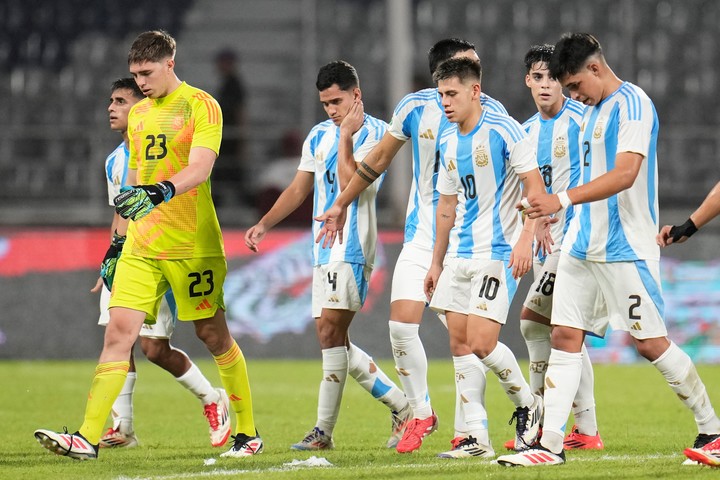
415, 432
705, 451
466, 447
218, 417
244, 446
70, 445
315, 439
532, 457
399, 420
580, 441
115, 439
527, 428
510, 444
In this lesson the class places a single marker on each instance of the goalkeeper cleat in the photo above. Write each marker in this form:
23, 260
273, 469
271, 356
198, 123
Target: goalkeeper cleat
314, 440
416, 430
244, 446
218, 416
532, 457
580, 441
66, 444
115, 439
527, 428
399, 422
466, 447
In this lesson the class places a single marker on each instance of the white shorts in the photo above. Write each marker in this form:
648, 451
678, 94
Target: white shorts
408, 282
632, 291
478, 287
339, 286
162, 328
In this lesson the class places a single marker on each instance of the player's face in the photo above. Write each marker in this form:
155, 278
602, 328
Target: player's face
585, 86
121, 100
545, 90
337, 102
154, 78
457, 98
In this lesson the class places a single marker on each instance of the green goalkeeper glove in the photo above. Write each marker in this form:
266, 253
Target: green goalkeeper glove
136, 202
107, 267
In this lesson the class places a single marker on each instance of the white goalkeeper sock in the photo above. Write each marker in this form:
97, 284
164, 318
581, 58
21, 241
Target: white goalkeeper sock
335, 369
122, 409
196, 382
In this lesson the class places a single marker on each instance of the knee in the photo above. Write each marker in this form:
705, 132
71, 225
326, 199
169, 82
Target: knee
330, 335
567, 339
154, 350
651, 348
482, 347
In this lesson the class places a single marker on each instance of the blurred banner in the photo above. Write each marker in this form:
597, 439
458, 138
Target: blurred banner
48, 310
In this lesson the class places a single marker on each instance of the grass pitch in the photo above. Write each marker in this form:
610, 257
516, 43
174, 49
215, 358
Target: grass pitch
644, 426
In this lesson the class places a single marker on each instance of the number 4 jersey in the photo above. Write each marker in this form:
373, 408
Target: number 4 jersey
161, 132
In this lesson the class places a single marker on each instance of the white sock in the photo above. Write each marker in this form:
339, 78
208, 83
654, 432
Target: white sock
504, 365
122, 409
335, 369
366, 372
561, 384
470, 385
196, 382
411, 366
680, 373
537, 339
584, 404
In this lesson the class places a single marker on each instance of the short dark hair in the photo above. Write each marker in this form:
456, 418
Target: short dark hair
339, 73
538, 53
445, 50
127, 83
571, 53
152, 46
462, 68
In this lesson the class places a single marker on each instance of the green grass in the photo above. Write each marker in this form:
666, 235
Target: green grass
644, 426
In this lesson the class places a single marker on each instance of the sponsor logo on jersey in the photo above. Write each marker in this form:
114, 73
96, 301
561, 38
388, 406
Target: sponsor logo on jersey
427, 135
451, 165
334, 299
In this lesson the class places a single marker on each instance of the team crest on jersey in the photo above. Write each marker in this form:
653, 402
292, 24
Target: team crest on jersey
480, 156
178, 122
320, 157
560, 149
451, 165
597, 133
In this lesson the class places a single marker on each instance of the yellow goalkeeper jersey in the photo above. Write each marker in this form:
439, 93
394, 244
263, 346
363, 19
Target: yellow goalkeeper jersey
161, 133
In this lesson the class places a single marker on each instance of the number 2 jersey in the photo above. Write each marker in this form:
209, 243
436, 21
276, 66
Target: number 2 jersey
419, 116
320, 156
161, 133
482, 169
622, 227
558, 155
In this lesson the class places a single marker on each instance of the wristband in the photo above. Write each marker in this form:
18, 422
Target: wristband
564, 199
685, 230
524, 202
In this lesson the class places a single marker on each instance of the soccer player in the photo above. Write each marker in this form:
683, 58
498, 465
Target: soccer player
609, 249
554, 130
155, 338
481, 246
419, 118
341, 273
173, 242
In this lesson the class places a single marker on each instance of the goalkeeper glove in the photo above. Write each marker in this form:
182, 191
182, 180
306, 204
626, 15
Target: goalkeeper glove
684, 230
136, 202
107, 267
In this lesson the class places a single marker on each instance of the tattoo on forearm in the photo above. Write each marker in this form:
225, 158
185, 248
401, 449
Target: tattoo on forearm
362, 175
369, 170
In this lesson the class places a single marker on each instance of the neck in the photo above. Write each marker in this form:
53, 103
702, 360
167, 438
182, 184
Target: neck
126, 139
611, 83
465, 126
550, 111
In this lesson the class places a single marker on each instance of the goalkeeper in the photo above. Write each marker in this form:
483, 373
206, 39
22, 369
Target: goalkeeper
173, 242
709, 209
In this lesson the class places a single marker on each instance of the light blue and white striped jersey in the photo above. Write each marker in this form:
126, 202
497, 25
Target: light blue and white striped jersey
558, 155
482, 169
622, 227
419, 116
320, 156
116, 167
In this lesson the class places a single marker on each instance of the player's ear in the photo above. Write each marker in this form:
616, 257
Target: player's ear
357, 93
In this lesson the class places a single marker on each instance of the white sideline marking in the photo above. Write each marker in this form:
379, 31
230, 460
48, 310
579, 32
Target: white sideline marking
225, 473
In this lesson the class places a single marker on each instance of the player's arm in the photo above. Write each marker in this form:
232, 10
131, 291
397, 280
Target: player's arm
288, 201
708, 209
521, 257
346, 160
372, 166
622, 177
444, 221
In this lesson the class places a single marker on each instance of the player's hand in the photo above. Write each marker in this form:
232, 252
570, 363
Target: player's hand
354, 118
254, 236
521, 258
333, 221
107, 268
136, 202
543, 236
98, 285
539, 205
670, 234
431, 280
